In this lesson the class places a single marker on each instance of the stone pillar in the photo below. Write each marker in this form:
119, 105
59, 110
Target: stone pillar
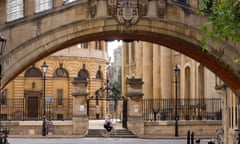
166, 69
147, 70
101, 8
29, 8
3, 12
226, 114
57, 3
134, 92
156, 74
80, 117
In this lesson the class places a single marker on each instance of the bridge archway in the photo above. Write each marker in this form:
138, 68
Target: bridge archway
179, 33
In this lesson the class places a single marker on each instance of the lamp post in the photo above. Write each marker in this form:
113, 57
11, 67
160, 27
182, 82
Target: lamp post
3, 42
176, 71
44, 126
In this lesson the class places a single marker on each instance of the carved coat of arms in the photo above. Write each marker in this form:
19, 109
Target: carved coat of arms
127, 12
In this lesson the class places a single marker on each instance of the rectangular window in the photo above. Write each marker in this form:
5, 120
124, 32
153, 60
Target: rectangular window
14, 9
206, 7
43, 5
68, 1
4, 97
182, 1
83, 45
98, 45
59, 96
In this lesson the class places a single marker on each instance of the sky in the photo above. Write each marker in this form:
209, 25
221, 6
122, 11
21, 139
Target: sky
111, 46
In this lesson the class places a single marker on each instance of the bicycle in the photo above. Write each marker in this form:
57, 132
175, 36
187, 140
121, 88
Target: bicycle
219, 138
108, 133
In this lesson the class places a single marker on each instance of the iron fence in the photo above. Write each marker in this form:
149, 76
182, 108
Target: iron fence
32, 109
188, 109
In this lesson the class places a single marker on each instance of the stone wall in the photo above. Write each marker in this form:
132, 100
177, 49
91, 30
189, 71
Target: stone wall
34, 128
204, 129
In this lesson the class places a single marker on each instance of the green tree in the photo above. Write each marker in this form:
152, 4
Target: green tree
223, 21
118, 84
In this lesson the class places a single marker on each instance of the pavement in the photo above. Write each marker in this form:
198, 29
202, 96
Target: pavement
76, 139
45, 140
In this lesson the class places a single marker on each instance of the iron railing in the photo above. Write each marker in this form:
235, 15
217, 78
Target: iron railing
188, 109
32, 109
153, 109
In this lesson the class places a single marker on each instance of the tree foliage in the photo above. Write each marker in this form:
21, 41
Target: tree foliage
223, 21
118, 84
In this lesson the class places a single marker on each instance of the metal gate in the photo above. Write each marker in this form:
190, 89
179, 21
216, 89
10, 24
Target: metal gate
100, 108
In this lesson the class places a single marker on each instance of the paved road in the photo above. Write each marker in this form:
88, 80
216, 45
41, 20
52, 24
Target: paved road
96, 141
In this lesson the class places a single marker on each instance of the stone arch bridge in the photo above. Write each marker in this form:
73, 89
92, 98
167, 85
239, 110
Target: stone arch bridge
171, 23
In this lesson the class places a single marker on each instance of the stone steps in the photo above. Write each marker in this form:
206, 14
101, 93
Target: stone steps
120, 133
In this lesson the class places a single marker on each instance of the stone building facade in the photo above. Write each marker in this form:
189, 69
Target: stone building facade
86, 59
155, 66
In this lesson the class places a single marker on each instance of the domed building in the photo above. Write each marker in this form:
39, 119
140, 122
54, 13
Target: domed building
23, 96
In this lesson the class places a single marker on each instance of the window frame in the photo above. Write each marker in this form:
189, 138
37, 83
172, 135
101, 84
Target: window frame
43, 5
14, 10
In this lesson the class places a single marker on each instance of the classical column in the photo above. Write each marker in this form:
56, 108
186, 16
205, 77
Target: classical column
139, 54
152, 8
102, 8
134, 92
147, 70
156, 77
166, 72
80, 118
29, 8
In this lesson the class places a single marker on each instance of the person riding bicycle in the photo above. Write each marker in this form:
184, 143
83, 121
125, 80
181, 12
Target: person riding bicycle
108, 124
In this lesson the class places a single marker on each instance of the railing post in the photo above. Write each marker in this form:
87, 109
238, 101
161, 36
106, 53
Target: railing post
188, 137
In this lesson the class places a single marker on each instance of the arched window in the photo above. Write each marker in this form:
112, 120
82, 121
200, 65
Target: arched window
99, 73
33, 72
201, 81
187, 83
60, 72
83, 74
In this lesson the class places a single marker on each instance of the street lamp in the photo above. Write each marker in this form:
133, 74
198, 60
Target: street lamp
3, 42
176, 71
4, 132
44, 126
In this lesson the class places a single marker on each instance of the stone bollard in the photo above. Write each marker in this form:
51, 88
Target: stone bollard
188, 137
192, 138
238, 138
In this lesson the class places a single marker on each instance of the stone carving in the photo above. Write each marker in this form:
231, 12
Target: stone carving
162, 8
112, 6
143, 5
92, 8
127, 12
